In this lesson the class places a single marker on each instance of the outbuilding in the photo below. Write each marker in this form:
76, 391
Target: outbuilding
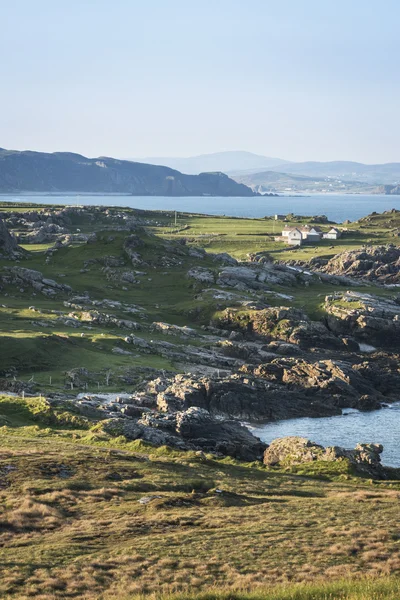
333, 234
294, 237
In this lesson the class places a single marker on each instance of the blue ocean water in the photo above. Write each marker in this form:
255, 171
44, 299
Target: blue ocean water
381, 426
335, 206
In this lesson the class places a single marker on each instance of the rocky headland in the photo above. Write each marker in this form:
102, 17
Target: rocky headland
239, 347
66, 172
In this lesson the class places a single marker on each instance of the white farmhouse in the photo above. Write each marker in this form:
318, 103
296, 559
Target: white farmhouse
286, 230
311, 234
294, 237
333, 234
290, 235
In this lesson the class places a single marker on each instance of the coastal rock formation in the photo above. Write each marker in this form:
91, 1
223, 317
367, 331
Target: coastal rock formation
372, 263
238, 396
370, 319
284, 452
192, 429
279, 323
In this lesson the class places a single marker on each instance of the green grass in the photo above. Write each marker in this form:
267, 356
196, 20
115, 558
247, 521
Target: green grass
163, 291
385, 588
240, 237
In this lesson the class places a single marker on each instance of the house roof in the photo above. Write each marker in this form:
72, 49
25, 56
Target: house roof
305, 229
309, 228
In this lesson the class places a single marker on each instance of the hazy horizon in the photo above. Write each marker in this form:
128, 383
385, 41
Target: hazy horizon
139, 158
306, 81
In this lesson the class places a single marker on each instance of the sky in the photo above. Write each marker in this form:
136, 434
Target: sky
295, 79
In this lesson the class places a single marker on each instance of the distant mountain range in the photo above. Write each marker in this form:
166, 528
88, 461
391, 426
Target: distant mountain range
68, 172
255, 169
388, 173
272, 181
221, 174
228, 162
319, 177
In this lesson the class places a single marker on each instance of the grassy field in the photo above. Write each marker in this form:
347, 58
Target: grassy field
240, 237
38, 345
84, 515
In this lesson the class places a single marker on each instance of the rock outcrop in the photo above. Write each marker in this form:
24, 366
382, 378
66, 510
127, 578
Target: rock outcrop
370, 319
373, 263
34, 280
288, 451
280, 323
8, 243
192, 429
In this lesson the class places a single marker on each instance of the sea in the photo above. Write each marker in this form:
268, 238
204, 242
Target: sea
346, 430
336, 207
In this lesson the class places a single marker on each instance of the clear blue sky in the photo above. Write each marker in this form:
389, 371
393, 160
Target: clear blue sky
298, 79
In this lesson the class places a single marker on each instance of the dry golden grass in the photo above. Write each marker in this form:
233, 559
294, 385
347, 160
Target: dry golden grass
80, 537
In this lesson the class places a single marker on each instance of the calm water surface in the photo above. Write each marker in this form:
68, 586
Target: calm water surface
380, 426
336, 207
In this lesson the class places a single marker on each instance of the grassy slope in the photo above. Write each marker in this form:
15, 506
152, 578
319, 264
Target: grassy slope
71, 524
164, 291
34, 348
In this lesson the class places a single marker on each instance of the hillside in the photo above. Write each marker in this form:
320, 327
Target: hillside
67, 172
232, 161
388, 173
277, 182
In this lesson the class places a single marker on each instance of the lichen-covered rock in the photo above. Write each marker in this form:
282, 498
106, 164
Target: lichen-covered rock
21, 277
372, 263
201, 274
193, 429
371, 319
280, 323
292, 450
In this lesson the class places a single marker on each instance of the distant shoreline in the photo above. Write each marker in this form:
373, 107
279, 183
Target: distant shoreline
129, 195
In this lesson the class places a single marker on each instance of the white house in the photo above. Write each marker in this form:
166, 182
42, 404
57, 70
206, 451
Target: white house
333, 234
308, 234
311, 234
286, 230
294, 237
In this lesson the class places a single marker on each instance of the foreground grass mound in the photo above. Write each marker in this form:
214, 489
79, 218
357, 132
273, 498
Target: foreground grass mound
381, 589
83, 515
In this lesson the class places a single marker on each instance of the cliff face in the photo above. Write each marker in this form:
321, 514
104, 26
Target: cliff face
66, 172
393, 190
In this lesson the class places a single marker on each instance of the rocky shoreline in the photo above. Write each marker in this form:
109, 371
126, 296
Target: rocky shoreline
258, 356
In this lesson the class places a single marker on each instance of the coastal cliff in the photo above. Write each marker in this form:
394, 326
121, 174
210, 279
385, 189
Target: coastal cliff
68, 172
